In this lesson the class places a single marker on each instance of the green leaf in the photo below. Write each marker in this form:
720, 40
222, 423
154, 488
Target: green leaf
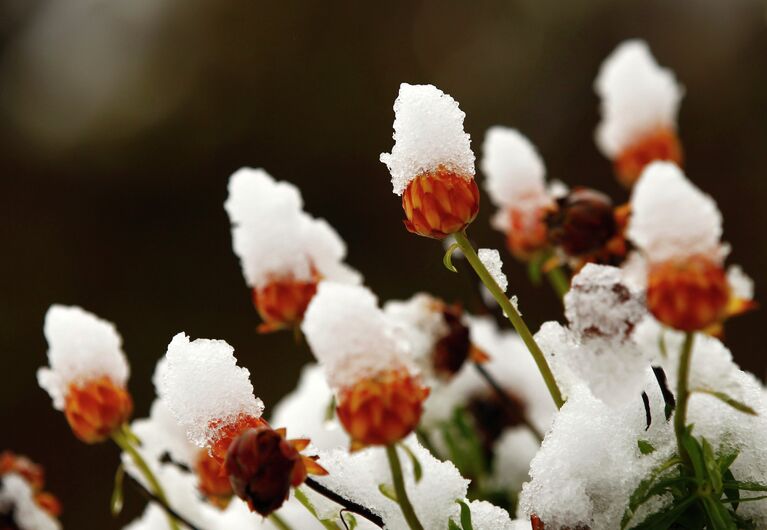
712, 468
447, 260
725, 398
452, 525
665, 518
732, 493
644, 491
417, 469
116, 501
695, 452
726, 460
645, 447
747, 486
465, 516
387, 490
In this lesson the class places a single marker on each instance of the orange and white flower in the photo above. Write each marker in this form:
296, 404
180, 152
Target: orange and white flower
515, 181
284, 252
88, 372
24, 503
678, 229
378, 392
639, 104
431, 163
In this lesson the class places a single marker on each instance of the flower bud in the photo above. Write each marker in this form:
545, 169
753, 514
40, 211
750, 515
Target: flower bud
583, 223
212, 480
282, 303
661, 144
262, 466
228, 432
439, 203
527, 234
97, 408
21, 465
688, 295
454, 348
383, 409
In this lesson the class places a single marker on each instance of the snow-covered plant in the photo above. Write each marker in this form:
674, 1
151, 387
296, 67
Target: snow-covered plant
628, 412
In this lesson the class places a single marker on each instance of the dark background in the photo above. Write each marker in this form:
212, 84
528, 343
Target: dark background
121, 121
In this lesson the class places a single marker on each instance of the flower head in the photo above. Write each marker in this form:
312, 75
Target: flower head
23, 502
262, 467
87, 374
210, 396
639, 104
678, 229
431, 163
516, 184
283, 250
379, 396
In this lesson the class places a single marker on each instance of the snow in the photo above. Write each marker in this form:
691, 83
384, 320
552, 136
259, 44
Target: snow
491, 259
205, 389
81, 347
428, 133
637, 97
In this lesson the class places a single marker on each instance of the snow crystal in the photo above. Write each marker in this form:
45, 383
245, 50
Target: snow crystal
203, 384
17, 497
637, 97
160, 433
428, 133
671, 218
349, 335
304, 411
275, 238
81, 346
358, 476
741, 285
421, 323
514, 170
600, 303
491, 259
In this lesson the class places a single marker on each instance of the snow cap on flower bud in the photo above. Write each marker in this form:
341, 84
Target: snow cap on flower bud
639, 104
262, 467
515, 182
379, 397
671, 218
210, 396
431, 163
88, 372
283, 250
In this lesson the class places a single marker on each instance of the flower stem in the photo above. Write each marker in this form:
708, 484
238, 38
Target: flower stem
513, 315
122, 438
683, 395
399, 488
348, 505
559, 281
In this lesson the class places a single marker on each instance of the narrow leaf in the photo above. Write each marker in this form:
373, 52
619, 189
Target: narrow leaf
387, 490
417, 469
465, 516
447, 260
732, 493
734, 403
452, 525
116, 501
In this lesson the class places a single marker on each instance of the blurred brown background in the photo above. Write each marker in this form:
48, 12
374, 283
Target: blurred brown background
121, 121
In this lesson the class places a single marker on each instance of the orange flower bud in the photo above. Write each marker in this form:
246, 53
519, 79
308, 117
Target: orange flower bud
49, 503
262, 467
97, 408
282, 303
383, 409
584, 222
440, 203
688, 295
227, 433
212, 480
527, 233
661, 144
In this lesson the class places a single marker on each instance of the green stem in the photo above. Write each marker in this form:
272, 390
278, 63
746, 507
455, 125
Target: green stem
122, 438
279, 522
559, 281
512, 314
683, 395
399, 488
